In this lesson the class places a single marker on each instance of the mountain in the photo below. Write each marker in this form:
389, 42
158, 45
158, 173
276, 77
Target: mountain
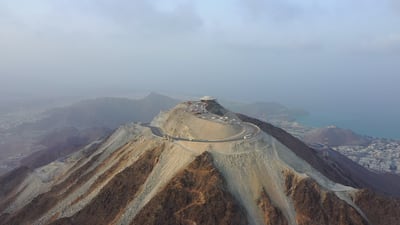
72, 127
62, 142
334, 136
198, 163
105, 112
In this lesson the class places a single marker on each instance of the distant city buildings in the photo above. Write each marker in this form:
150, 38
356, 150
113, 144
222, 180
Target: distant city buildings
381, 155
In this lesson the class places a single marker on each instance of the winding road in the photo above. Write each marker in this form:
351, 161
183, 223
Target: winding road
249, 130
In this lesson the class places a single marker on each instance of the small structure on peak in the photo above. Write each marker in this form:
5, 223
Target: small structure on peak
207, 98
213, 106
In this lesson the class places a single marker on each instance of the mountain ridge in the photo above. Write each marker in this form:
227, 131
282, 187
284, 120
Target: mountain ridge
258, 177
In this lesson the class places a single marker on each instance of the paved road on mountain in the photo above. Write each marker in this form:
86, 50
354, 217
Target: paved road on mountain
249, 130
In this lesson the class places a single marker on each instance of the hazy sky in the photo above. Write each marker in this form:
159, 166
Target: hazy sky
319, 54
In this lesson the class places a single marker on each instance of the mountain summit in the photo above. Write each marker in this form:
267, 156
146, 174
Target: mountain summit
198, 163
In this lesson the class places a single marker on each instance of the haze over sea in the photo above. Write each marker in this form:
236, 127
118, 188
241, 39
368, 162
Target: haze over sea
374, 125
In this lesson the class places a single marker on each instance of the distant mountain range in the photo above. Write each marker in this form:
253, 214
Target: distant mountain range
105, 114
78, 124
69, 128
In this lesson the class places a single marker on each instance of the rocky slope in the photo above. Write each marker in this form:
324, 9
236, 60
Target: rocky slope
252, 173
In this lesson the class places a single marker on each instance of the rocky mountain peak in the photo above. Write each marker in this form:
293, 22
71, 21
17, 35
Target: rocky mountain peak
196, 163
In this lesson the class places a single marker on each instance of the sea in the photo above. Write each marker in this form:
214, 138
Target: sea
369, 125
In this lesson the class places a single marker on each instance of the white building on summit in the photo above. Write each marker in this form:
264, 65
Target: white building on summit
207, 98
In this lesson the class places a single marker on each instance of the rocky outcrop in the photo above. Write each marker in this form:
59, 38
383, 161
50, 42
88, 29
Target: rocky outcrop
214, 107
197, 195
315, 206
272, 215
379, 209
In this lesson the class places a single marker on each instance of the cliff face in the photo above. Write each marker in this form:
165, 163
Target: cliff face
259, 175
